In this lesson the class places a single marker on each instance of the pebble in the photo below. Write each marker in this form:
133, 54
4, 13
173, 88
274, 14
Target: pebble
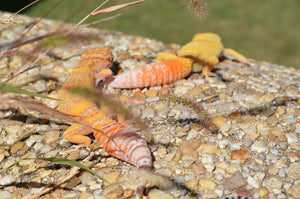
51, 136
294, 191
158, 194
208, 160
17, 146
6, 180
235, 181
113, 192
111, 178
5, 195
207, 184
259, 147
241, 155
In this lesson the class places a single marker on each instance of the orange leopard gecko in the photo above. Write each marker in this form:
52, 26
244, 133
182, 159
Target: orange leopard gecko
204, 49
118, 140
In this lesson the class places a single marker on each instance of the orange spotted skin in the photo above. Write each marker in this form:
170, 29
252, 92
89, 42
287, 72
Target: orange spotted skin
115, 138
164, 72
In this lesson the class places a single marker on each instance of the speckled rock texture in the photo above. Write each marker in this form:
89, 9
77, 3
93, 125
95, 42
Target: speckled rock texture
257, 109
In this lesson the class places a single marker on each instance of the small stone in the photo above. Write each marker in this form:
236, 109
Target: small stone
6, 180
40, 86
5, 195
72, 183
17, 146
86, 195
191, 184
292, 138
51, 136
263, 192
111, 178
164, 91
189, 147
112, 162
208, 148
138, 94
128, 193
113, 192
294, 171
208, 160
220, 121
2, 156
242, 191
294, 191
272, 183
162, 151
151, 93
251, 181
259, 147
158, 194
235, 181
148, 113
74, 155
208, 184
241, 155
86, 178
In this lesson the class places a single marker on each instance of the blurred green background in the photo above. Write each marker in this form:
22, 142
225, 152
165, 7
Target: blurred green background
266, 30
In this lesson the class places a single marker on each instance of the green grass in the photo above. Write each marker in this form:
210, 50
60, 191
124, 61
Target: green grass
260, 29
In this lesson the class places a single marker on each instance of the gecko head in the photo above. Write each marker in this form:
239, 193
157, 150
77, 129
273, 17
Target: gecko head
208, 37
201, 49
97, 58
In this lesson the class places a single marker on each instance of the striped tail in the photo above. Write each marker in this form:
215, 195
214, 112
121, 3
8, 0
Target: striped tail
122, 143
164, 72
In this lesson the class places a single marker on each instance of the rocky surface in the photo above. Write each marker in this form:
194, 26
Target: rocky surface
257, 109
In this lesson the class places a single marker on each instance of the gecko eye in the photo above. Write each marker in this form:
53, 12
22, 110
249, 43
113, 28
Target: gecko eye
110, 59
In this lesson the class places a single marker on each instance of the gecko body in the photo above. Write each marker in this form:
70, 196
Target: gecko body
204, 49
115, 138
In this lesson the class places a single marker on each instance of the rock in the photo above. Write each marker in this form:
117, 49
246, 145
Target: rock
113, 192
241, 155
208, 148
111, 178
208, 184
6, 180
294, 171
259, 147
251, 181
235, 181
208, 160
151, 93
191, 184
272, 183
294, 191
17, 146
5, 195
158, 194
51, 136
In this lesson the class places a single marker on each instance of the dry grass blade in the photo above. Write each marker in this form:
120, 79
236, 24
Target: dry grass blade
9, 20
12, 89
109, 101
13, 101
71, 173
113, 8
99, 21
205, 119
